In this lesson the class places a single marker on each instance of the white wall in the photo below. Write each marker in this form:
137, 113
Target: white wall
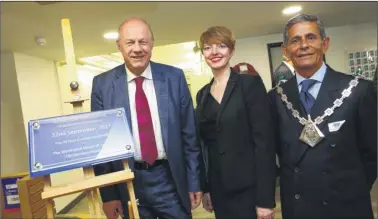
35, 84
39, 87
343, 39
182, 56
14, 153
41, 97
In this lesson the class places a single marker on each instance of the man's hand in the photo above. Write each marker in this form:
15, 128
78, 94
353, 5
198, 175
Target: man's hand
206, 203
113, 209
195, 199
265, 213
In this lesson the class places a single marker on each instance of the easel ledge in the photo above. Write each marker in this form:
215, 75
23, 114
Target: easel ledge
90, 185
87, 184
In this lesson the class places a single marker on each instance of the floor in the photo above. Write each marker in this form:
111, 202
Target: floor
81, 209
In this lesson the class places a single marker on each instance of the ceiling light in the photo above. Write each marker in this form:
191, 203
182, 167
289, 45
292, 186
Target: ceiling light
291, 10
111, 35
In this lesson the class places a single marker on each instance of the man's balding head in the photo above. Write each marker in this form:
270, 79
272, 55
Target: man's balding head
135, 42
135, 21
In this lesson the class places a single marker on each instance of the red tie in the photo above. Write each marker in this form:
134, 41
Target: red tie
146, 130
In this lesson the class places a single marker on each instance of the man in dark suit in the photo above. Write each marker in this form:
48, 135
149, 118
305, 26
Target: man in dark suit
283, 72
160, 112
327, 164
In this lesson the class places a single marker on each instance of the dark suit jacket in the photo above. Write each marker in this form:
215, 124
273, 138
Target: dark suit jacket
375, 80
246, 148
177, 124
283, 70
333, 179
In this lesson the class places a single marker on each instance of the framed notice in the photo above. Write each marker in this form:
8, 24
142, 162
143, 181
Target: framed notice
9, 191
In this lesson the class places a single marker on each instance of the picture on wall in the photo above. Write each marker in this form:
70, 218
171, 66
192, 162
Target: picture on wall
351, 56
363, 63
357, 55
372, 67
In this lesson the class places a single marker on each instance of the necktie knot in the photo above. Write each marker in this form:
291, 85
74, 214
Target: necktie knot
306, 98
307, 84
139, 81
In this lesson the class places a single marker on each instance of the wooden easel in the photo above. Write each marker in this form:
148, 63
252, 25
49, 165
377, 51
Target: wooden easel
91, 183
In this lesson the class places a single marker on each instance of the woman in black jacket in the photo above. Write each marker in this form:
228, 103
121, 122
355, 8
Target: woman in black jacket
235, 128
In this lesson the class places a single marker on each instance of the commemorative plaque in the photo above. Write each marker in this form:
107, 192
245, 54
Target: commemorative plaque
79, 140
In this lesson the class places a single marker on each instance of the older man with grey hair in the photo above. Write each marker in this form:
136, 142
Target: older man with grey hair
167, 164
326, 131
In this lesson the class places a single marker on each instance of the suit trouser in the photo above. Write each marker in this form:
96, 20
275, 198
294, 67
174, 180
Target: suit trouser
156, 193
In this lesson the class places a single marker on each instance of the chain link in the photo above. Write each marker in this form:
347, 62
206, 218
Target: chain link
328, 112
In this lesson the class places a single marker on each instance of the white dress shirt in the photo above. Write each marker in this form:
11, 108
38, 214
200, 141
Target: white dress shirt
149, 90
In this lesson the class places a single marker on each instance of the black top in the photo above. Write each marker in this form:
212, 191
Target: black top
208, 132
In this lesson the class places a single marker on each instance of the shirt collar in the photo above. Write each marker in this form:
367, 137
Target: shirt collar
318, 76
146, 73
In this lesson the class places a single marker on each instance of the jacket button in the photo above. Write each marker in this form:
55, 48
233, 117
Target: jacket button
333, 145
325, 203
297, 196
222, 153
296, 169
324, 173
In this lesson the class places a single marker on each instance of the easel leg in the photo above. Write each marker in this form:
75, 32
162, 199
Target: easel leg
50, 203
130, 188
90, 204
134, 206
50, 209
94, 208
96, 198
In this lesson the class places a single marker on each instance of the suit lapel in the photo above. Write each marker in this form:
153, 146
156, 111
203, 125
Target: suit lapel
161, 90
328, 93
227, 93
290, 88
121, 99
120, 92
201, 103
202, 99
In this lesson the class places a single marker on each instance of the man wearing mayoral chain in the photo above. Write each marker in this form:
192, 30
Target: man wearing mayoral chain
326, 130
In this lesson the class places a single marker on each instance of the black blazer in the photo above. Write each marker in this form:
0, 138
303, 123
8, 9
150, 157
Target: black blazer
334, 178
283, 70
246, 146
375, 79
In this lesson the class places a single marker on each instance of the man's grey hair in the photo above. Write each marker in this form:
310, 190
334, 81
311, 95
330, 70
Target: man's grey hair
303, 18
